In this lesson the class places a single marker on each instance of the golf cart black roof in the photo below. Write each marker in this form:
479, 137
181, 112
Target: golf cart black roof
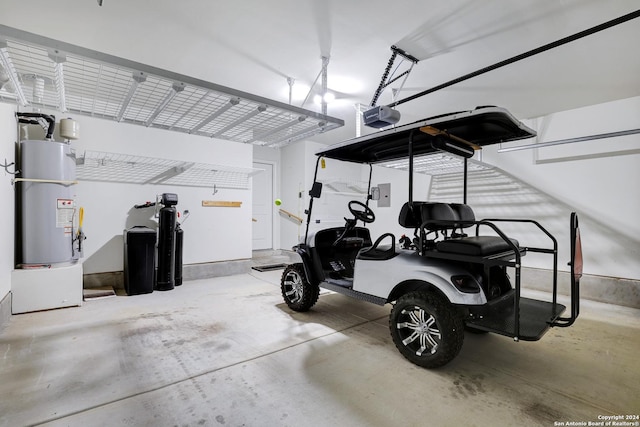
482, 126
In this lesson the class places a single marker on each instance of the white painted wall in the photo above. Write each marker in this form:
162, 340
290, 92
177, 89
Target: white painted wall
7, 151
210, 233
598, 179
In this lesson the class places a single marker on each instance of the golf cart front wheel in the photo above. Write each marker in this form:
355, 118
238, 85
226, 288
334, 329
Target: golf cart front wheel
426, 329
298, 293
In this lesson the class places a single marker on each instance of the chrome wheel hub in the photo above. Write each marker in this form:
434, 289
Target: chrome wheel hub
293, 287
419, 331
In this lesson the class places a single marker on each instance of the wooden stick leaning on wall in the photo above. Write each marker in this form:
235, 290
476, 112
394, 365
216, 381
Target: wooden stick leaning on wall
290, 215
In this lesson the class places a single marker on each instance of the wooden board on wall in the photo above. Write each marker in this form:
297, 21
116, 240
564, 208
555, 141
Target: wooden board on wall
221, 204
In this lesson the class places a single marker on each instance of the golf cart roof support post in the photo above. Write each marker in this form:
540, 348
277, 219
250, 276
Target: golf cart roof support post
411, 168
464, 195
516, 302
315, 177
369, 186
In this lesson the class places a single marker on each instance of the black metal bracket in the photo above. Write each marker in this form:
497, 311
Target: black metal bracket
384, 82
576, 274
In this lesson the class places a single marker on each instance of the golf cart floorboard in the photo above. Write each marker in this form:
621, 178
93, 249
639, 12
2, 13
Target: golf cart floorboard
354, 294
535, 319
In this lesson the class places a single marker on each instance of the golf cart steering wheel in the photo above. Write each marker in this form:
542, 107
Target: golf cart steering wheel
367, 216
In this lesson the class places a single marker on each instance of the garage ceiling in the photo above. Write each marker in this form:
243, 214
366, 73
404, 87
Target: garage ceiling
255, 46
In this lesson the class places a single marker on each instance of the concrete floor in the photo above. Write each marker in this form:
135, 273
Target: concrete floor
228, 351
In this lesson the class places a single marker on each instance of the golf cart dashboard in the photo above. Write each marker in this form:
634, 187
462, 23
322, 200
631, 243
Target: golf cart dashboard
475, 128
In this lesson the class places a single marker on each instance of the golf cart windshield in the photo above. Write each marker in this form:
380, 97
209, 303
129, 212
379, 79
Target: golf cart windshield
459, 133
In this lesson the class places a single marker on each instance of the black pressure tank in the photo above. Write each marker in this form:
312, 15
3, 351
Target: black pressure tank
179, 244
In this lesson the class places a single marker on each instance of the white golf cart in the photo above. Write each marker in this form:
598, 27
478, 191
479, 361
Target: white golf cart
453, 274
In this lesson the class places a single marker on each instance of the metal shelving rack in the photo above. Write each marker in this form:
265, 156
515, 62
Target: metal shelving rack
435, 164
125, 168
345, 188
46, 73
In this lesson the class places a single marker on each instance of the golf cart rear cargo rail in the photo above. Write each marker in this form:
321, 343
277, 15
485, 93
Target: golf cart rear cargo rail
576, 274
524, 318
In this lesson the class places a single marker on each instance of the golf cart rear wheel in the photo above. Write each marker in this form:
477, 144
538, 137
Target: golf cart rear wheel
298, 293
426, 329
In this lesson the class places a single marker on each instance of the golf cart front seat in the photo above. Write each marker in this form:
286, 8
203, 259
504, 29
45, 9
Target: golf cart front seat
409, 218
376, 253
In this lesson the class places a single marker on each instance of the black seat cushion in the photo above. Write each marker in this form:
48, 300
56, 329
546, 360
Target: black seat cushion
476, 245
381, 253
377, 252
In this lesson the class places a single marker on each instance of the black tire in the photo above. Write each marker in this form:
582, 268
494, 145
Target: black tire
298, 293
426, 329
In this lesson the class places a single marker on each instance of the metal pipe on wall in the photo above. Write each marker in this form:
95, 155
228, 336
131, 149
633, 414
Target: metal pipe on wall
571, 140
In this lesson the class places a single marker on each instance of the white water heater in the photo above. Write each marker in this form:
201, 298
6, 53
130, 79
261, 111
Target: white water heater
48, 169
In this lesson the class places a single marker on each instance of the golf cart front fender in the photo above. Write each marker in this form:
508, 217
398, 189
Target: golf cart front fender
407, 272
307, 263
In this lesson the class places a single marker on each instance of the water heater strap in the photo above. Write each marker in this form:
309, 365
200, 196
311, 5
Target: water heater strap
51, 181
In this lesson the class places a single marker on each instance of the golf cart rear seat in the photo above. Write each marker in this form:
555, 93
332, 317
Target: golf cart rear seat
450, 219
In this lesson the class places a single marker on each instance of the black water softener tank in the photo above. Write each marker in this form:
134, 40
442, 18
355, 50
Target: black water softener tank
165, 278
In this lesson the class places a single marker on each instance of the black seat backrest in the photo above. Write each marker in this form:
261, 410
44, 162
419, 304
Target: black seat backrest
410, 215
463, 212
414, 214
437, 212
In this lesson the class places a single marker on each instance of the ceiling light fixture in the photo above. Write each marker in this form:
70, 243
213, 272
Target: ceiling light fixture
327, 98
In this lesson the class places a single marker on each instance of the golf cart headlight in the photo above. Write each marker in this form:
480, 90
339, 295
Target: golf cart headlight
466, 284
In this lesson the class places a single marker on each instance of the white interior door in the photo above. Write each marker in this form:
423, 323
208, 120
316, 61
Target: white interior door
262, 186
